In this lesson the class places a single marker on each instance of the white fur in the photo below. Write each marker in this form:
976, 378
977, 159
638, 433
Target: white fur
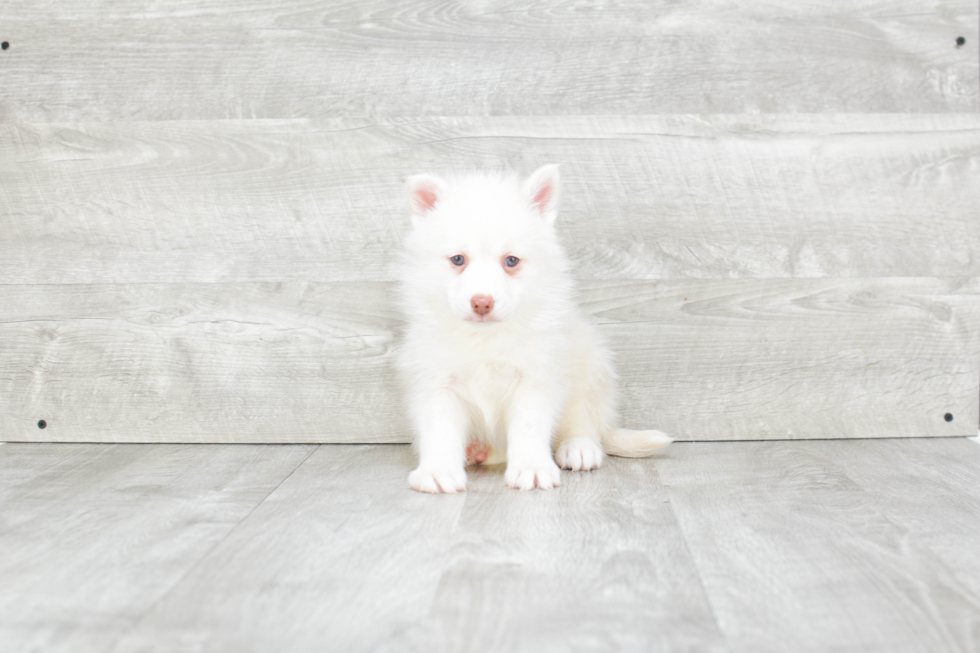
537, 377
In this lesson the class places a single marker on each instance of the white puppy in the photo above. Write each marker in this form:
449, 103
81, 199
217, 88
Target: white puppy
498, 360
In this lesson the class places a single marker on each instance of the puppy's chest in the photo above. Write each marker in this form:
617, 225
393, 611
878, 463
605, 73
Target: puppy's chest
485, 383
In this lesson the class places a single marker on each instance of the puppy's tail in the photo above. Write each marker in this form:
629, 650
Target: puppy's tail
634, 444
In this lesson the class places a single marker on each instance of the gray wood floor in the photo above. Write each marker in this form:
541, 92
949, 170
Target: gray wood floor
860, 545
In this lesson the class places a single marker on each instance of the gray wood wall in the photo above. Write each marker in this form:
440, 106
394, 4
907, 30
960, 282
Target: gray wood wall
774, 210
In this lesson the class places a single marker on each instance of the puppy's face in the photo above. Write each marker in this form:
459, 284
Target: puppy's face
481, 244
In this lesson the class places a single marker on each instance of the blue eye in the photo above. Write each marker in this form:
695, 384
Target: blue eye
511, 261
458, 260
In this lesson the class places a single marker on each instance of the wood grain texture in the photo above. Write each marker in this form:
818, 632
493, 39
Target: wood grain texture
205, 362
344, 556
110, 61
598, 565
92, 536
797, 555
919, 485
807, 359
305, 362
355, 558
643, 197
848, 546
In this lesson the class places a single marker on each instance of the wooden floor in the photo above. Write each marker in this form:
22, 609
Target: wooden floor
860, 545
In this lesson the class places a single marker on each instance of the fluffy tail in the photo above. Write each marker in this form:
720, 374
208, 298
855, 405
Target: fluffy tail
634, 444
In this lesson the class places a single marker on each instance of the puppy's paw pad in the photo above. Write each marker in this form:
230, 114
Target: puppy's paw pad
580, 454
448, 481
543, 476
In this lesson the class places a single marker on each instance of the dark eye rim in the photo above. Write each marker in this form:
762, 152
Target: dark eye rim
457, 260
507, 261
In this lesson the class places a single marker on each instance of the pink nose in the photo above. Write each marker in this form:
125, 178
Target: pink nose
482, 304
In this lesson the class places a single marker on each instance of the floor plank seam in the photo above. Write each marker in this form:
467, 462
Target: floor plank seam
163, 597
690, 555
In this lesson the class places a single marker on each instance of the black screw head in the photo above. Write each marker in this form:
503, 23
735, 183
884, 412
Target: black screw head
960, 42
4, 45
948, 417
42, 424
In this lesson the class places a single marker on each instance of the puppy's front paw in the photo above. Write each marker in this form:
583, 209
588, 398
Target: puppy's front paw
542, 474
580, 454
449, 481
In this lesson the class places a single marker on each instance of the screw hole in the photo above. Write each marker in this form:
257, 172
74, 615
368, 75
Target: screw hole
960, 42
948, 417
4, 45
42, 424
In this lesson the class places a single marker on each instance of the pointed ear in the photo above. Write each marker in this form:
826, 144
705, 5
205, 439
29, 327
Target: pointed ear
424, 192
542, 191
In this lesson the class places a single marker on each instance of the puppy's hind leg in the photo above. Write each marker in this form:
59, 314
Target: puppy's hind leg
587, 415
580, 448
440, 423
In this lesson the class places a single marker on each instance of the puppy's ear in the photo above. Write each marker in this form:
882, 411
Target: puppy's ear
542, 192
424, 192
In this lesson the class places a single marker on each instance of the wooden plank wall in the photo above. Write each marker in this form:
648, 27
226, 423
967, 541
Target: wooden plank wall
772, 209
216, 59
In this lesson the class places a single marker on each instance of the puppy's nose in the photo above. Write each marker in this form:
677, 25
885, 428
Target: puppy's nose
482, 304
